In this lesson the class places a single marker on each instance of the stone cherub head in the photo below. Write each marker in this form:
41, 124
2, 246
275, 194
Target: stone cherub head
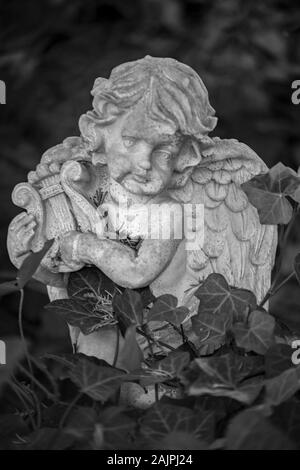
148, 120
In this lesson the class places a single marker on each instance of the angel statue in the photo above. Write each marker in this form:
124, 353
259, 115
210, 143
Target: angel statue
145, 145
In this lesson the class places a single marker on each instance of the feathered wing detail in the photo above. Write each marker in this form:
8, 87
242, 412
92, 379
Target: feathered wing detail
236, 245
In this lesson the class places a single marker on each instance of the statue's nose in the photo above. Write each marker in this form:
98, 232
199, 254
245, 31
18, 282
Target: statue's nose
141, 162
135, 162
144, 164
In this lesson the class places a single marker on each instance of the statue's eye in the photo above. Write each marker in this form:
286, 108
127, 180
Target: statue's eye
128, 142
164, 152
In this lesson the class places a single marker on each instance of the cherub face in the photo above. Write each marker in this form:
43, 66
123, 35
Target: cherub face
140, 151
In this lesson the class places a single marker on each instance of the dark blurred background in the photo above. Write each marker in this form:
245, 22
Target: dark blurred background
51, 51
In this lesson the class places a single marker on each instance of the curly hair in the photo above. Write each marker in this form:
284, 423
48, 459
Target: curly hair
173, 92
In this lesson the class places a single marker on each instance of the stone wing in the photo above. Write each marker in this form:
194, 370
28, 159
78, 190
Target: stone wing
236, 244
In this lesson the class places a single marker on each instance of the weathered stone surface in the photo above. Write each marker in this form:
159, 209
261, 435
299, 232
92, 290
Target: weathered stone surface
144, 157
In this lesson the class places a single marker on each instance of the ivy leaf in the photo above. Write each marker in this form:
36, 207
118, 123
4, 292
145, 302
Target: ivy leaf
217, 298
128, 307
26, 271
257, 335
161, 420
91, 284
90, 304
66, 360
165, 309
287, 417
268, 193
286, 308
80, 423
277, 359
283, 386
86, 315
130, 357
211, 329
297, 266
96, 379
118, 428
59, 365
173, 364
31, 264
178, 440
146, 295
10, 425
52, 415
146, 377
164, 370
9, 287
229, 369
224, 376
245, 394
249, 430
48, 439
220, 406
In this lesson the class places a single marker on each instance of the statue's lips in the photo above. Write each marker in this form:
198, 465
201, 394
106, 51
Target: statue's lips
130, 176
139, 178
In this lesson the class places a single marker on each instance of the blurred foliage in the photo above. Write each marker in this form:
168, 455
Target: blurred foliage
52, 50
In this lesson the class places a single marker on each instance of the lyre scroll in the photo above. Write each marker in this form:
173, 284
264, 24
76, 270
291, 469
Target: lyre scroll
27, 197
60, 203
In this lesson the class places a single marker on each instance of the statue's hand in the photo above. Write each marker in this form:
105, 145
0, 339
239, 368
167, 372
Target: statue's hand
20, 234
68, 251
44, 170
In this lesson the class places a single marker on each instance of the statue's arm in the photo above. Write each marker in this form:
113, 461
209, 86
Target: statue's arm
122, 264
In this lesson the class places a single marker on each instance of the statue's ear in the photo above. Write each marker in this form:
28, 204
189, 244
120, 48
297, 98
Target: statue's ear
188, 156
92, 132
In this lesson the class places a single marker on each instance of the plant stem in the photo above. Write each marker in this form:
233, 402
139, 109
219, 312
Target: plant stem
185, 340
69, 409
146, 331
33, 400
283, 238
161, 343
289, 227
284, 281
25, 393
20, 322
117, 348
16, 390
156, 392
38, 409
46, 373
274, 289
38, 383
